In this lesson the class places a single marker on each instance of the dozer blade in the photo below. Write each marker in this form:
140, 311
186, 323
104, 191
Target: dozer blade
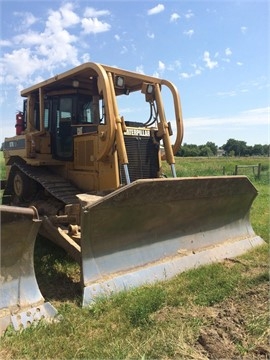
21, 302
153, 229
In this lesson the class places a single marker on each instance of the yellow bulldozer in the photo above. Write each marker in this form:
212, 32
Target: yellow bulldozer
92, 172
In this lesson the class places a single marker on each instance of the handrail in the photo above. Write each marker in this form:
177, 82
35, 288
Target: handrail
178, 115
108, 136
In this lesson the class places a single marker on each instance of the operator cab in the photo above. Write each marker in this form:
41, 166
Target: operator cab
70, 115
65, 116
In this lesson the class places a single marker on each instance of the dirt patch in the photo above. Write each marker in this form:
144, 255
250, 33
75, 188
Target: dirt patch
236, 328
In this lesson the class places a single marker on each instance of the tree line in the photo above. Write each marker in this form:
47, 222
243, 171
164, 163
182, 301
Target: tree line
231, 148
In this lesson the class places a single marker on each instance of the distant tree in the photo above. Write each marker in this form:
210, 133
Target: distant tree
205, 151
257, 149
213, 147
232, 147
239, 147
266, 150
187, 150
249, 151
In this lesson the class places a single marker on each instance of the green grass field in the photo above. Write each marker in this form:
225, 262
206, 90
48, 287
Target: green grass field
216, 311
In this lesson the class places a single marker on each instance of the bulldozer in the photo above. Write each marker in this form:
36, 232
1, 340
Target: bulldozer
91, 166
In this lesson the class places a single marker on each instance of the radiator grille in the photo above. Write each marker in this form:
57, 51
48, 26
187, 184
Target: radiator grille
143, 158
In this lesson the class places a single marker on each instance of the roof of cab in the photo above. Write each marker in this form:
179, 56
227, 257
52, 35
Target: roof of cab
85, 73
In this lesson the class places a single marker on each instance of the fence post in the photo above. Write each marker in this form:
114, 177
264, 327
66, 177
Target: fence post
259, 170
236, 170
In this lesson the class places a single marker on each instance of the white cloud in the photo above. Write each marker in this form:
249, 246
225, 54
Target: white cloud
239, 63
150, 35
53, 23
27, 19
228, 52
188, 32
117, 37
156, 74
197, 71
128, 110
240, 125
174, 17
40, 51
230, 93
139, 69
258, 116
69, 17
208, 62
160, 69
124, 50
91, 12
12, 64
29, 38
63, 18
243, 29
94, 26
3, 98
185, 75
189, 14
85, 57
175, 65
4, 43
262, 113
260, 83
59, 55
155, 10
161, 66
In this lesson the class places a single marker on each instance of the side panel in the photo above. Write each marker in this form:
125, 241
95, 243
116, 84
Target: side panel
88, 173
15, 146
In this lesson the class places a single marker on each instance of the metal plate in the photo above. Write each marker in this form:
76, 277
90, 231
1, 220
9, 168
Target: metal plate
151, 220
20, 294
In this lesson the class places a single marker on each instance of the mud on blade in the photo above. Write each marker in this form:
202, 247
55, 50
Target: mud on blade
153, 229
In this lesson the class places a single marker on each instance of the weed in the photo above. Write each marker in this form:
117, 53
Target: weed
258, 325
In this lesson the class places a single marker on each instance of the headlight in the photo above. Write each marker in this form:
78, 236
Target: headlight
119, 82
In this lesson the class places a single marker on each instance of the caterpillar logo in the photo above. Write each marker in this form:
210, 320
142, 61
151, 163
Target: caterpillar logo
137, 132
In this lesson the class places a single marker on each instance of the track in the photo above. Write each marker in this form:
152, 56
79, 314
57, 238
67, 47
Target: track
54, 184
49, 198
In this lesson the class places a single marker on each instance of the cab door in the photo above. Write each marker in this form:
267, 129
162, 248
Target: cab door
62, 139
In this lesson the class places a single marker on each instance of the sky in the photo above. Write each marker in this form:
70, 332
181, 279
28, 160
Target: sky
215, 52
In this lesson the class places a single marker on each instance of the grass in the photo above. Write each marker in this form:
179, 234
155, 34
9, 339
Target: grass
2, 166
224, 302
205, 286
217, 166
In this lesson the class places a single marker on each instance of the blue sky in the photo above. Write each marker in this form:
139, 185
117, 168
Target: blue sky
215, 52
